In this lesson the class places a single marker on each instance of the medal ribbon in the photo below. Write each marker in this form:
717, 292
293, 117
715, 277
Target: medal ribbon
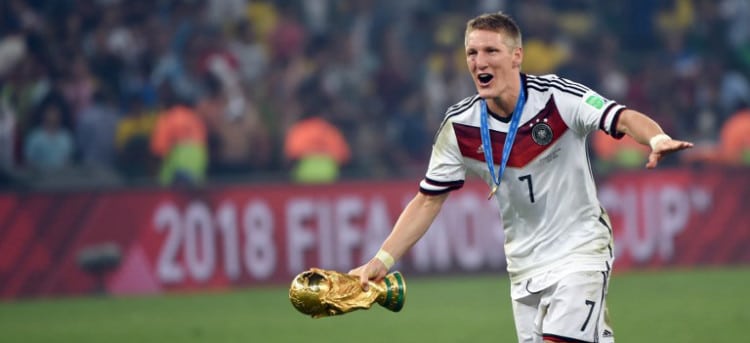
509, 138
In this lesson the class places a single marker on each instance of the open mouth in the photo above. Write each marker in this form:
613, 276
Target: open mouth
484, 78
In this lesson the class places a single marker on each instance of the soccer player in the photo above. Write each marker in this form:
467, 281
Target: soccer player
558, 239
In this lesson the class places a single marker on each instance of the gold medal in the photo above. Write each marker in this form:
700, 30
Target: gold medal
492, 192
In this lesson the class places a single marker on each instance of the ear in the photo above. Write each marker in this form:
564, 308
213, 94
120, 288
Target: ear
517, 58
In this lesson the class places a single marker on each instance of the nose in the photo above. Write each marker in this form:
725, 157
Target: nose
480, 61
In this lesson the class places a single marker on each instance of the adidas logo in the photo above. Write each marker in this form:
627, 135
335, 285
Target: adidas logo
480, 149
607, 333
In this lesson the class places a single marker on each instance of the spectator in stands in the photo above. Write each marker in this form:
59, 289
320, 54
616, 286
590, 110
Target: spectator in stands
79, 85
179, 140
251, 54
7, 136
96, 124
238, 142
49, 147
314, 148
134, 130
543, 51
288, 37
733, 148
735, 141
12, 50
408, 137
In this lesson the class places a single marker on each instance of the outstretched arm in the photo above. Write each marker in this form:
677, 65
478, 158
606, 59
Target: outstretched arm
410, 227
647, 132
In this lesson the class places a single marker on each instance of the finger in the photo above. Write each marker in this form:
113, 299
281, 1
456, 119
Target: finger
364, 281
678, 145
684, 145
672, 148
653, 160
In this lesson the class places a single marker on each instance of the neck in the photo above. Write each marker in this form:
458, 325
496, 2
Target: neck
504, 104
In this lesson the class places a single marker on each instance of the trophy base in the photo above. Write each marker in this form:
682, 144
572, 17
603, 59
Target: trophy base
395, 294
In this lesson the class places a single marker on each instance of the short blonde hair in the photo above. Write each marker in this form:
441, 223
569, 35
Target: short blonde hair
498, 22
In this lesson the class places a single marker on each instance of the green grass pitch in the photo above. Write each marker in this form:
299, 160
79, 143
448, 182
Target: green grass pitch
706, 305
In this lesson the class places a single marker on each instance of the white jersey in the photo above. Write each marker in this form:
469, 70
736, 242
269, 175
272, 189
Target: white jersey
552, 218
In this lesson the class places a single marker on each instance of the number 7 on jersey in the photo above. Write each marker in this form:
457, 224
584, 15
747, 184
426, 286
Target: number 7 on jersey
527, 178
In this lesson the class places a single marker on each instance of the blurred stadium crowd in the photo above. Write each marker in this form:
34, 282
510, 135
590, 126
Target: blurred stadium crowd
114, 92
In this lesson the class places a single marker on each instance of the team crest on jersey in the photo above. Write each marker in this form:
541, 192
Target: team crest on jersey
541, 133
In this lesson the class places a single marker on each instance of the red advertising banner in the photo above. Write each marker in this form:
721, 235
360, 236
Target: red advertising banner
253, 235
679, 217
233, 236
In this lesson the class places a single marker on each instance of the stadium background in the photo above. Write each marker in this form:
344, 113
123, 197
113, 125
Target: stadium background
206, 228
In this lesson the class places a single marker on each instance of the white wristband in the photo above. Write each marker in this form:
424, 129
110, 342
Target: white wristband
386, 258
658, 139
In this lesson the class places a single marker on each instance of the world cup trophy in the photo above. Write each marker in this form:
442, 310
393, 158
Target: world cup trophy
322, 293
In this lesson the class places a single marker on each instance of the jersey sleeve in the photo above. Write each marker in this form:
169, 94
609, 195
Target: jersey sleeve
446, 170
592, 111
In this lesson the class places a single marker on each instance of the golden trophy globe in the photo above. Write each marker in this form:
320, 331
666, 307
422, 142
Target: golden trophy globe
322, 293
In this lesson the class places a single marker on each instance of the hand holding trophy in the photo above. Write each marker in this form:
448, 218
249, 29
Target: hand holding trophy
323, 293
